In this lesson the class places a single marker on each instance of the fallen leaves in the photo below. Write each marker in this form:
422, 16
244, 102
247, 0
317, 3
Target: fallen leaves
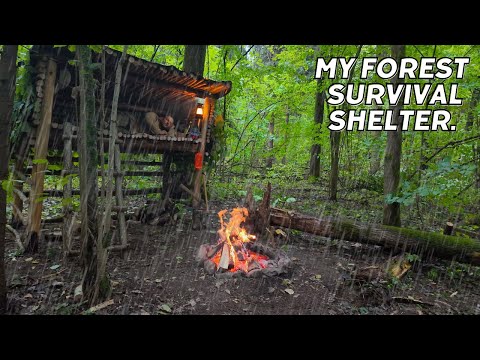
165, 308
399, 268
289, 291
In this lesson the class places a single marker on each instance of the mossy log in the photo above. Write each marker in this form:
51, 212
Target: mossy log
390, 237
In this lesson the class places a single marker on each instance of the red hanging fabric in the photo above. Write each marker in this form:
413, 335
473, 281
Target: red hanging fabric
198, 161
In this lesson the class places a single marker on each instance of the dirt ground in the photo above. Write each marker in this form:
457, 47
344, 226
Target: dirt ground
161, 277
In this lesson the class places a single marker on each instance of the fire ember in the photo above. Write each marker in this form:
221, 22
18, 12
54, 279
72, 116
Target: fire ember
237, 254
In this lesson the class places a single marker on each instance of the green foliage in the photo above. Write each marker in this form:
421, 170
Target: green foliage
456, 270
40, 161
433, 274
412, 258
283, 201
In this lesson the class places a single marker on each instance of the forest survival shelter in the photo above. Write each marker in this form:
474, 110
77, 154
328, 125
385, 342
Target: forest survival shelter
53, 123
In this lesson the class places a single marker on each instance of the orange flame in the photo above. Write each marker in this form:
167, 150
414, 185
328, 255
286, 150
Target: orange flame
235, 236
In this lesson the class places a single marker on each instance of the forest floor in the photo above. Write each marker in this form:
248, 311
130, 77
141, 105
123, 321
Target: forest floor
161, 276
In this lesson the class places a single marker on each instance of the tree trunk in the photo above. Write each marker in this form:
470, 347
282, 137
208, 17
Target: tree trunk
40, 161
285, 145
271, 134
316, 150
375, 157
335, 137
102, 283
397, 239
470, 123
8, 73
194, 58
194, 61
88, 171
393, 151
375, 160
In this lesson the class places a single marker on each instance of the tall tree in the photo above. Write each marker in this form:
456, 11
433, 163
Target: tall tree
271, 134
316, 150
88, 170
393, 151
8, 71
287, 121
470, 123
194, 60
375, 156
335, 137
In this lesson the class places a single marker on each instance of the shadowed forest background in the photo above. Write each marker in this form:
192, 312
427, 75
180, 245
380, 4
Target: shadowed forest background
271, 127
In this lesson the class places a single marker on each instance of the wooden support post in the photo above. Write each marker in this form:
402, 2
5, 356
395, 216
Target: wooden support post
167, 159
18, 180
197, 185
68, 218
40, 157
205, 190
122, 228
17, 217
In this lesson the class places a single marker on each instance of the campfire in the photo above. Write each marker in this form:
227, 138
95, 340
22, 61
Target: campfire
236, 252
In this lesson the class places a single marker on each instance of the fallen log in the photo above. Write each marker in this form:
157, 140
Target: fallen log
390, 237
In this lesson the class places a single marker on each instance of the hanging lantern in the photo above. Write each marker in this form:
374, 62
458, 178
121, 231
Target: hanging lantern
198, 163
199, 110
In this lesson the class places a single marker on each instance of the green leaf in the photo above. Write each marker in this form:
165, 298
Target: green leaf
257, 197
67, 201
54, 267
7, 186
290, 200
96, 48
363, 311
54, 167
166, 308
40, 161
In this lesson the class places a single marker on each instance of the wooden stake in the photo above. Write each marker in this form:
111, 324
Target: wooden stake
18, 180
68, 217
198, 172
205, 189
188, 191
119, 196
41, 149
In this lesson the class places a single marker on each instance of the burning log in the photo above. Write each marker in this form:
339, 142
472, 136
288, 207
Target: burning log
213, 251
225, 258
